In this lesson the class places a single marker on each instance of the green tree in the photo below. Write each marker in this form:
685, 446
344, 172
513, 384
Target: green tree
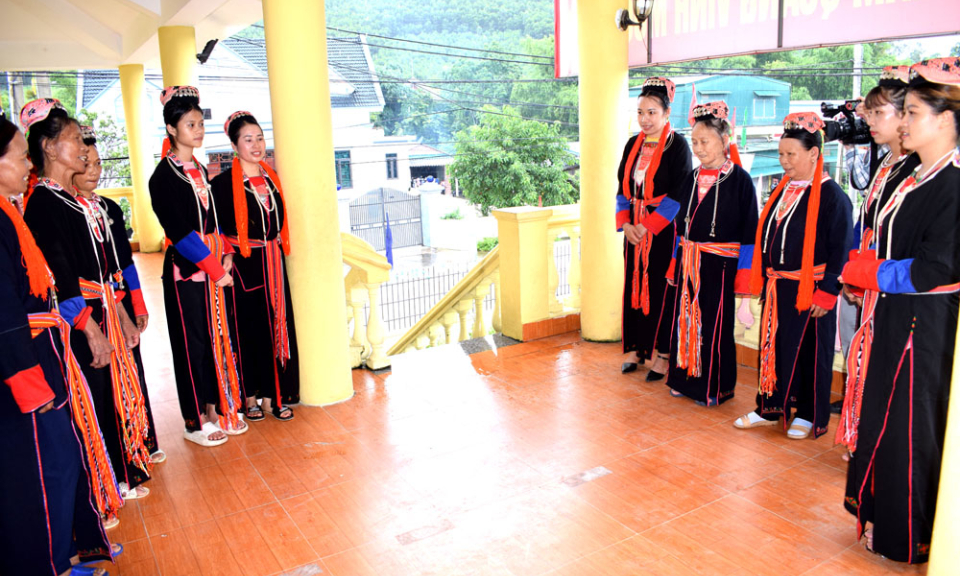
507, 161
112, 146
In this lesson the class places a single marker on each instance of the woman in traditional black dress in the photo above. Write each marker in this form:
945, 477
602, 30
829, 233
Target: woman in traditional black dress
252, 215
55, 467
883, 110
75, 238
802, 243
132, 300
717, 223
196, 269
653, 165
894, 474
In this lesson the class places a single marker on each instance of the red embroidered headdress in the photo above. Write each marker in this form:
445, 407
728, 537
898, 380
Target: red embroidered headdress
937, 71
660, 84
719, 110
171, 92
37, 111
810, 122
240, 195
87, 133
894, 77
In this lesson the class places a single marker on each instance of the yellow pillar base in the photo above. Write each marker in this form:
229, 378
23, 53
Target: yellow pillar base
145, 222
300, 100
523, 267
944, 553
603, 131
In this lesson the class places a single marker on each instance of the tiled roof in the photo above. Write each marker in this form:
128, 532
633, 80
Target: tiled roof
345, 55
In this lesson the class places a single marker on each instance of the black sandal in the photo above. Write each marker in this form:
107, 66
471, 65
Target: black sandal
254, 413
277, 411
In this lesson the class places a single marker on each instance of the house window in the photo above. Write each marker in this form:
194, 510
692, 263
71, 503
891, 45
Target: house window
764, 108
342, 158
391, 166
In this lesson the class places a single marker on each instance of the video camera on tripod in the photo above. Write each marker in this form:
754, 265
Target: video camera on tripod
846, 126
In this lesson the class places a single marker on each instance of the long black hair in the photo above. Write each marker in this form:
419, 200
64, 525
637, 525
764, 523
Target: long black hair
49, 128
174, 110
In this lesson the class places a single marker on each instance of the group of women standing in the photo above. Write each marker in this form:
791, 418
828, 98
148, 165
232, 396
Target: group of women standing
76, 413
903, 271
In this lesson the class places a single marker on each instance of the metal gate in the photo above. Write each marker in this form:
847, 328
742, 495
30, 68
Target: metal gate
368, 218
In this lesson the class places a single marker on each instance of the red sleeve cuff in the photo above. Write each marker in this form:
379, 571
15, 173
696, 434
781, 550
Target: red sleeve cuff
118, 296
862, 273
212, 268
80, 321
227, 246
139, 306
623, 217
672, 269
30, 389
654, 223
824, 300
741, 283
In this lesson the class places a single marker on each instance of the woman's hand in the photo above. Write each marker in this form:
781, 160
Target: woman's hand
817, 312
228, 263
131, 334
225, 281
851, 297
142, 322
634, 233
46, 407
100, 347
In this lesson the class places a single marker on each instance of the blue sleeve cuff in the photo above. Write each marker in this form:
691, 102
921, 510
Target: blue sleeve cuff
668, 209
131, 277
893, 277
70, 307
622, 203
745, 260
857, 236
192, 248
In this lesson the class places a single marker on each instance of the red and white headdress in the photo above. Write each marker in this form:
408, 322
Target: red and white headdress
178, 92
660, 84
809, 121
37, 111
937, 71
894, 77
234, 116
87, 133
717, 109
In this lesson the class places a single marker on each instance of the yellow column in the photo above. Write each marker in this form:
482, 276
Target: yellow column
603, 87
944, 555
300, 100
178, 55
145, 222
523, 267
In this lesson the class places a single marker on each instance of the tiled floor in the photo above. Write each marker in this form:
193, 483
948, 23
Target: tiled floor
539, 458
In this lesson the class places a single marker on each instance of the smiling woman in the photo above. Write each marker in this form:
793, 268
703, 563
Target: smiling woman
252, 215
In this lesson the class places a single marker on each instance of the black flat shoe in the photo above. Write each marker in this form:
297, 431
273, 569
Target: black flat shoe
654, 376
628, 367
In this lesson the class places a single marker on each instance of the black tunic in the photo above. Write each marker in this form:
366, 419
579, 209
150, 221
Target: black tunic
736, 222
641, 333
62, 233
252, 317
895, 472
186, 302
804, 348
45, 492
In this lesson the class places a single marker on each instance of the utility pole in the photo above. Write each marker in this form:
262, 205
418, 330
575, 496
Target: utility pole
857, 68
44, 88
15, 83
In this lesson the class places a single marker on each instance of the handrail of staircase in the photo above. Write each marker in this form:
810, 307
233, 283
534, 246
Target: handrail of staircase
458, 300
368, 270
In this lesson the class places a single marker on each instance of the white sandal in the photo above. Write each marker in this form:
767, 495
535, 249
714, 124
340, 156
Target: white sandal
752, 420
133, 493
233, 431
201, 436
799, 429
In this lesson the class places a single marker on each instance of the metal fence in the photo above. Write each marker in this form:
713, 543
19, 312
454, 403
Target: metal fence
368, 216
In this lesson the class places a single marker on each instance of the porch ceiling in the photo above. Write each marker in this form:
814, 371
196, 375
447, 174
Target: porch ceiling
83, 34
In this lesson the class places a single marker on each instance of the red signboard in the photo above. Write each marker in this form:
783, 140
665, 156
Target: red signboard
685, 30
